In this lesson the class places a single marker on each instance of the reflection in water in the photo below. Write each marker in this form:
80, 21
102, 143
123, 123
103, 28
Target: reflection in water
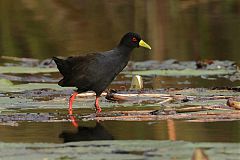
159, 82
86, 134
202, 29
171, 130
73, 120
32, 132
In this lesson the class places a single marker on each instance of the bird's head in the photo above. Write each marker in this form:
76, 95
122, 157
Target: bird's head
133, 40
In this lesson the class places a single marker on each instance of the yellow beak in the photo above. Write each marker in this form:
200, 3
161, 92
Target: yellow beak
144, 44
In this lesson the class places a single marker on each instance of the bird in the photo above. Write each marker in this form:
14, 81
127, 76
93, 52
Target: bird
95, 71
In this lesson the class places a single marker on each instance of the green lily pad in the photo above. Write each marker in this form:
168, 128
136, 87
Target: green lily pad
124, 149
184, 72
8, 86
29, 70
5, 82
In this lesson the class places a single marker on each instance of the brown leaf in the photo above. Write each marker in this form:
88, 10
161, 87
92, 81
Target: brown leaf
199, 155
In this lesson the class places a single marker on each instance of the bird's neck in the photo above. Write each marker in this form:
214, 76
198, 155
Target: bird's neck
124, 50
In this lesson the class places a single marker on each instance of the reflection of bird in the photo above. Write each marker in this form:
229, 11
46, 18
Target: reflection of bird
87, 133
94, 72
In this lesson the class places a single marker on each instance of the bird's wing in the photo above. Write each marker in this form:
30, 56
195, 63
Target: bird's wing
81, 70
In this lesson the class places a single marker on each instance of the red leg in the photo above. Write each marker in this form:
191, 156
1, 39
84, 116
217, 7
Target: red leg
73, 121
70, 110
98, 108
71, 102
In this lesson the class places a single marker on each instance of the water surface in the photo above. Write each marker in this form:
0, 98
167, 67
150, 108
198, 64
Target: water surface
59, 132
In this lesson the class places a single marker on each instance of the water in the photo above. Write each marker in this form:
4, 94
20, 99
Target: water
175, 29
183, 30
63, 131
59, 132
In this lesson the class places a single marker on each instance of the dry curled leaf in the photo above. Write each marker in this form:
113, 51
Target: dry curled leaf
233, 103
137, 83
199, 155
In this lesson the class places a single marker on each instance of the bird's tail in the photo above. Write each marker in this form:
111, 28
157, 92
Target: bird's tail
61, 65
63, 68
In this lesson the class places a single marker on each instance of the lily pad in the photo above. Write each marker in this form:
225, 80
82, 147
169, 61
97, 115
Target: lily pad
184, 72
124, 149
8, 86
29, 70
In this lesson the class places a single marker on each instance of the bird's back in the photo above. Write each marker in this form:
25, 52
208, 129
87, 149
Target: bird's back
92, 72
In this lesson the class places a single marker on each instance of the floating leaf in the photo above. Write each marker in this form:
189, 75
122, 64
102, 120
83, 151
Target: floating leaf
5, 82
184, 72
8, 86
30, 70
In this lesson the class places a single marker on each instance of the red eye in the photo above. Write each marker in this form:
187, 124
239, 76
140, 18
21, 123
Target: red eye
134, 39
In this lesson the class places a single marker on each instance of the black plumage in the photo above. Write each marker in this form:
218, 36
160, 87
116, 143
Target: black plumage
94, 72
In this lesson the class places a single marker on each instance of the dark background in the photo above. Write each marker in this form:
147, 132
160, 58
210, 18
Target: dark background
176, 29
